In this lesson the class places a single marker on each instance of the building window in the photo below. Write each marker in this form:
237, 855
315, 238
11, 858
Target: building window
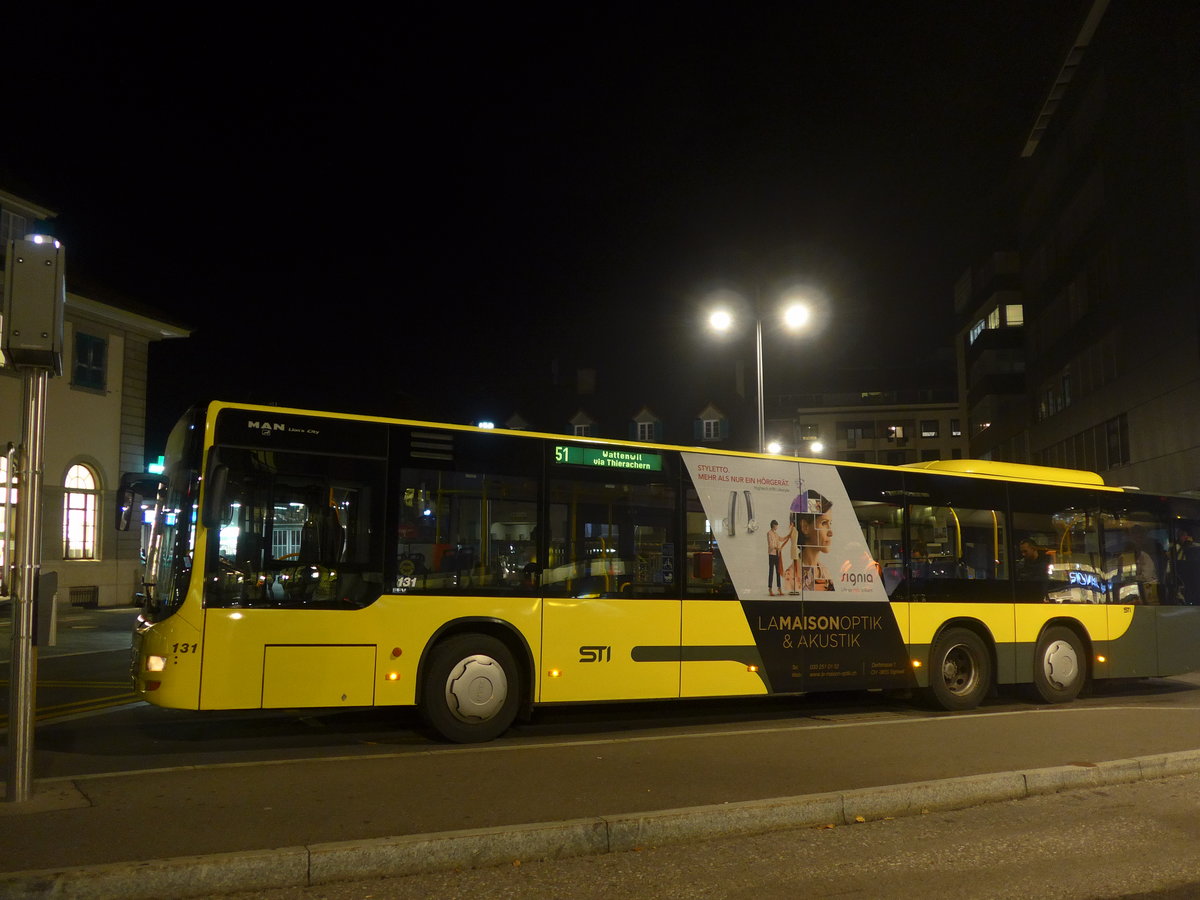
12, 227
929, 428
79, 514
91, 361
583, 430
712, 429
810, 431
645, 431
955, 428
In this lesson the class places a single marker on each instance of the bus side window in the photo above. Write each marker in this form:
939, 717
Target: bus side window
612, 534
1055, 543
957, 539
1135, 542
1183, 582
704, 573
465, 513
304, 531
877, 499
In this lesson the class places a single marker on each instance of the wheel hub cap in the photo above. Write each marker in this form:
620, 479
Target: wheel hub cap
476, 688
1062, 668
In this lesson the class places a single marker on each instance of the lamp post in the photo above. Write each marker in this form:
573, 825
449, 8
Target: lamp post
794, 315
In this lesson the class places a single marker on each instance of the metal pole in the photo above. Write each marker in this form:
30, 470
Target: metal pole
762, 425
10, 475
29, 550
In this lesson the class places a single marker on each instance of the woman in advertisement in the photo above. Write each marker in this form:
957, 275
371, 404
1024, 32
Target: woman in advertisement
810, 516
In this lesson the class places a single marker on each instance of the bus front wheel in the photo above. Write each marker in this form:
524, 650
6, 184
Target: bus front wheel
471, 688
960, 669
1059, 666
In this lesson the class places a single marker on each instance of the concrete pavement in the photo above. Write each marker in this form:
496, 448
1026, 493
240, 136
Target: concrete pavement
207, 829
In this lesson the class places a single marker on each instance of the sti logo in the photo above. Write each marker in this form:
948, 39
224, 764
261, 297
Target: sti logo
266, 427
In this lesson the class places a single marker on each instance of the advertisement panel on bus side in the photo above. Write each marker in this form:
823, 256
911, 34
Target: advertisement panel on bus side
811, 591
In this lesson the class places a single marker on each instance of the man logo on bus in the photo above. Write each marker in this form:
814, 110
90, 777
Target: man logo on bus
266, 427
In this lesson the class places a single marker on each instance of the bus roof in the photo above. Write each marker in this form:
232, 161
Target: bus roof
1010, 471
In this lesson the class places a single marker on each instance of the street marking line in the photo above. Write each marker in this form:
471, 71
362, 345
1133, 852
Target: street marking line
45, 713
60, 684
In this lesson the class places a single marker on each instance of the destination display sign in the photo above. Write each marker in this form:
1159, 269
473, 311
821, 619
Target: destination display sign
608, 458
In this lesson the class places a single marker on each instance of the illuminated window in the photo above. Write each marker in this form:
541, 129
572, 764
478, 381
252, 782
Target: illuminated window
929, 428
79, 513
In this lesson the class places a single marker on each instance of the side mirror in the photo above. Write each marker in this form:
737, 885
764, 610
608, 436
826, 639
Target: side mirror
134, 486
214, 493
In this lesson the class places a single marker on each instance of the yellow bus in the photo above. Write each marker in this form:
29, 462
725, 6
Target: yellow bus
301, 559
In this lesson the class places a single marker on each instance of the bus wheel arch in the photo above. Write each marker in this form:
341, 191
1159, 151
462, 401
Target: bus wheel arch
962, 667
1060, 664
472, 683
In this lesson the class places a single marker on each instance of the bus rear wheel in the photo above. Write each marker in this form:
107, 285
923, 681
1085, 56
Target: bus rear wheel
960, 669
471, 688
1059, 666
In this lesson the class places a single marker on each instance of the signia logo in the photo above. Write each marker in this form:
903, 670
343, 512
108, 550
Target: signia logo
266, 427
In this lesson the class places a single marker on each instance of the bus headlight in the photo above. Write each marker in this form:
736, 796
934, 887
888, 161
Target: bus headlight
155, 663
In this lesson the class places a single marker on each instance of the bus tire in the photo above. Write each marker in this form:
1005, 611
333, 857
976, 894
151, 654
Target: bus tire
960, 670
1059, 666
471, 688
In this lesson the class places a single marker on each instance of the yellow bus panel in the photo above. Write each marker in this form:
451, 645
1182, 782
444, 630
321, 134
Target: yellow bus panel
719, 656
318, 676
609, 648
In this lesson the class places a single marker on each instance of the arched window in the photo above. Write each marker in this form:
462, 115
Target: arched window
79, 513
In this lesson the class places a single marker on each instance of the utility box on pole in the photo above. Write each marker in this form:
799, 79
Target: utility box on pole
34, 297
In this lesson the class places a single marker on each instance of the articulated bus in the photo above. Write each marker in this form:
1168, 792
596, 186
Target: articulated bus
302, 559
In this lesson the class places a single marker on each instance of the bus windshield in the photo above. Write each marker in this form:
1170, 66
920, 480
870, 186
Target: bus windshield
172, 531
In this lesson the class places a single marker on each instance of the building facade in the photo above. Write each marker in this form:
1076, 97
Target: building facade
889, 427
95, 431
1102, 370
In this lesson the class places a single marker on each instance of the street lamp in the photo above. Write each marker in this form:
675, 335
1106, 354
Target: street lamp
794, 315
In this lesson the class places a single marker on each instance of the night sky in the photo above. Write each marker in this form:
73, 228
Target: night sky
431, 199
